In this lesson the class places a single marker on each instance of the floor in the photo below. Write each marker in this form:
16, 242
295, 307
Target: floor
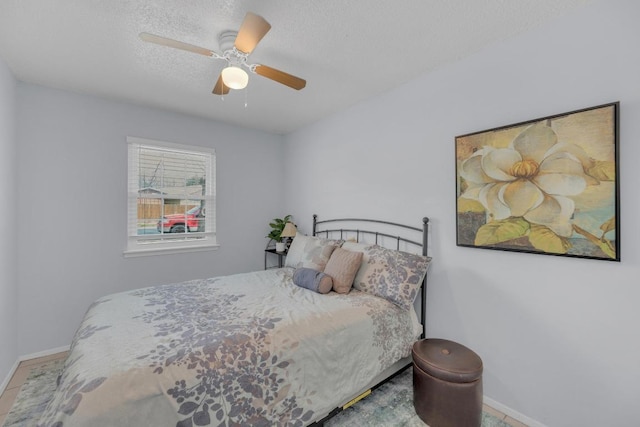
507, 419
21, 374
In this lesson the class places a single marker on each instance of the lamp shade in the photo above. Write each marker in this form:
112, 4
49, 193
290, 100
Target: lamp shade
235, 77
290, 230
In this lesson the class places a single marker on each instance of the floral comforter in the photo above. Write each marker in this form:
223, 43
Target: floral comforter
247, 349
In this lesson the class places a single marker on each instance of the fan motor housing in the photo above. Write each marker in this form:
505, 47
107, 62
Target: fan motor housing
226, 40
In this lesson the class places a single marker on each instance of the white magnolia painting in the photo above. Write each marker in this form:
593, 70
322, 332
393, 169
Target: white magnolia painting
545, 186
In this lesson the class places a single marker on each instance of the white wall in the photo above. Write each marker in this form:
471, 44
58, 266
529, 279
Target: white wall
558, 336
8, 242
72, 205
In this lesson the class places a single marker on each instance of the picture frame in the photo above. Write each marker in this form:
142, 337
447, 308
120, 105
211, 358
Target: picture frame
545, 186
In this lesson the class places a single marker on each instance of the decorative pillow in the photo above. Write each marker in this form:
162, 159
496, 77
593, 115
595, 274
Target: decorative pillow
350, 245
417, 326
393, 275
313, 280
310, 252
342, 267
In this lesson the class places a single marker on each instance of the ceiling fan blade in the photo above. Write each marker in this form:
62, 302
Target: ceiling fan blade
163, 41
252, 30
280, 77
220, 88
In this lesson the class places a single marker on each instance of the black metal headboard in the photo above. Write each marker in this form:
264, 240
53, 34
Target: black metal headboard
403, 236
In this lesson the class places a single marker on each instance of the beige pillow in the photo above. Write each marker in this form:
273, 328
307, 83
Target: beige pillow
342, 267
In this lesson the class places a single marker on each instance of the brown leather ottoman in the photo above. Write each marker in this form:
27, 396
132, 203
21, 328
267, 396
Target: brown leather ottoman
447, 383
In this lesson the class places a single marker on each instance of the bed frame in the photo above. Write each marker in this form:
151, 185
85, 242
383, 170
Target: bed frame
399, 233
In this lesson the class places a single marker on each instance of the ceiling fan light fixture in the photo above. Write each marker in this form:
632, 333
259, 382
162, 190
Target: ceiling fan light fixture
235, 77
236, 47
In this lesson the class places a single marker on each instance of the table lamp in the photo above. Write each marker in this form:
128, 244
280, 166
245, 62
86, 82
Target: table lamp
289, 231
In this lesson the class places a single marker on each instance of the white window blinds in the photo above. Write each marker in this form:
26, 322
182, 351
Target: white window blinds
171, 196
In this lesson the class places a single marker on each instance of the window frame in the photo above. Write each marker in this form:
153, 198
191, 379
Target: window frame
151, 244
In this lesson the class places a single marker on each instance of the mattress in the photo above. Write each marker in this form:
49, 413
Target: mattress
246, 349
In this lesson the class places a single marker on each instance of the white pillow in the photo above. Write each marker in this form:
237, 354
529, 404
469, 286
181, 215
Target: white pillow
415, 323
310, 252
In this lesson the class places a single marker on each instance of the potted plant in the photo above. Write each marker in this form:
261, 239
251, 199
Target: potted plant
277, 226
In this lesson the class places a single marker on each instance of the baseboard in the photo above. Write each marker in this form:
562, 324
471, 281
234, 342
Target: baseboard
44, 353
12, 371
512, 413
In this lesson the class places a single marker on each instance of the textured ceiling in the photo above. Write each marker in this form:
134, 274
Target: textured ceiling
346, 50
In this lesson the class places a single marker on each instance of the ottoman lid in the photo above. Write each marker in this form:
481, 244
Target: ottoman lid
447, 360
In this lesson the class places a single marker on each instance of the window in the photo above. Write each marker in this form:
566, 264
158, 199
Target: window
171, 205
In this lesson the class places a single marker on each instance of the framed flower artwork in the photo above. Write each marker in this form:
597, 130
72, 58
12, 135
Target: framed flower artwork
546, 186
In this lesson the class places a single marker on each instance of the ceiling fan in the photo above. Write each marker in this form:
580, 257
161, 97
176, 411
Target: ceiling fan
236, 47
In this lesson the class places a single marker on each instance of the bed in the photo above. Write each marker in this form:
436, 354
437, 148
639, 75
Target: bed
256, 348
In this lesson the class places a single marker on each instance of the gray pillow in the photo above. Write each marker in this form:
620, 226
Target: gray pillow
390, 274
313, 280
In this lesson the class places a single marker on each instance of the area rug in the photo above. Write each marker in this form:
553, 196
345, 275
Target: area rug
34, 395
388, 406
392, 405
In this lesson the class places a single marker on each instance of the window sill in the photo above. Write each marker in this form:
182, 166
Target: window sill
151, 251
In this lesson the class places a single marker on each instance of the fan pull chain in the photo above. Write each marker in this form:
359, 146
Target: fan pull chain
246, 96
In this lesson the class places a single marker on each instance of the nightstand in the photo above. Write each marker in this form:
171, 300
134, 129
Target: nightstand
281, 256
